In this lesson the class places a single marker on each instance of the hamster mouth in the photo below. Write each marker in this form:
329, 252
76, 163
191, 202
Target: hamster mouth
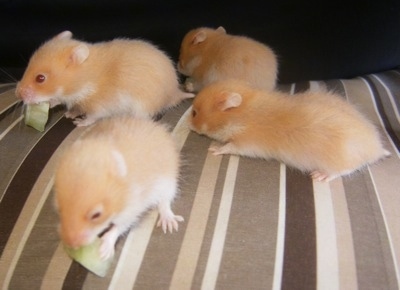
109, 227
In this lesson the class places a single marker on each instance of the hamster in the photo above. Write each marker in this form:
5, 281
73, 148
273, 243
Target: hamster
316, 132
118, 169
208, 55
122, 76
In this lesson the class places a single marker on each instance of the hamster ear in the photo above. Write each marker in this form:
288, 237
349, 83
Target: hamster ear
229, 100
119, 162
221, 29
199, 37
64, 35
79, 53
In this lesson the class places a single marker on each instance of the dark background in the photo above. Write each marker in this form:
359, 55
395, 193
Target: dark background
313, 40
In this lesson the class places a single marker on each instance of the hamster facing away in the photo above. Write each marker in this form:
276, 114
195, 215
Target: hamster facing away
208, 55
107, 179
316, 132
102, 79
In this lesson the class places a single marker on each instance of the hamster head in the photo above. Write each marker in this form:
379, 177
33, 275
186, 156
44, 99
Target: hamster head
217, 110
193, 46
51, 70
91, 189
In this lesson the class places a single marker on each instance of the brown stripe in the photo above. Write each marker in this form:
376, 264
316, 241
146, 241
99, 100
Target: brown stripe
374, 262
249, 252
24, 179
300, 258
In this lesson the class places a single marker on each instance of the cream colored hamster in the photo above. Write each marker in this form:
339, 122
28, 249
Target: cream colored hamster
98, 80
316, 132
208, 55
109, 177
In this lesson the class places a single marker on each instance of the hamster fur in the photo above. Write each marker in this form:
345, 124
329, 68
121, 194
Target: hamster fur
122, 76
208, 55
316, 132
107, 179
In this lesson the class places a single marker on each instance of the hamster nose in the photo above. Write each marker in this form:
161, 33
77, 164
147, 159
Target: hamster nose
25, 93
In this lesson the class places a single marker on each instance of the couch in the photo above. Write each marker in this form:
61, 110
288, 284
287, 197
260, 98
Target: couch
249, 223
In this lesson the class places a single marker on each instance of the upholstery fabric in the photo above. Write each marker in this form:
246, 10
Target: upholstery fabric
249, 223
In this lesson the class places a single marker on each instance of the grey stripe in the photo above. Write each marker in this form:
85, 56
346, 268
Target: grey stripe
374, 263
249, 254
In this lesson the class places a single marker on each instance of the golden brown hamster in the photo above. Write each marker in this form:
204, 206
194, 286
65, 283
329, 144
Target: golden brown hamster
107, 179
316, 132
208, 55
122, 76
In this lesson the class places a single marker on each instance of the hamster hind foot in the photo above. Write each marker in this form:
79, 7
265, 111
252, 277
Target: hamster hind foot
168, 220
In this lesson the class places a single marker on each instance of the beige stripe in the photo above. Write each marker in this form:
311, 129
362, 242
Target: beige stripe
4, 133
356, 92
218, 241
387, 190
132, 254
57, 270
190, 250
7, 100
327, 257
344, 237
181, 130
280, 237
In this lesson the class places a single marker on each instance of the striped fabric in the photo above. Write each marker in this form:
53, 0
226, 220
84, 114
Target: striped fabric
249, 223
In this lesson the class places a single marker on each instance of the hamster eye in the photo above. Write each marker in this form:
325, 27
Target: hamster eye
95, 216
40, 78
194, 113
96, 213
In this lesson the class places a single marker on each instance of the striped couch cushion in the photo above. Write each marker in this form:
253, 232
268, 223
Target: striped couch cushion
249, 223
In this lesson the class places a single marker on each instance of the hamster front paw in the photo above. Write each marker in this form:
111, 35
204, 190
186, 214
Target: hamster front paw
108, 240
82, 121
189, 85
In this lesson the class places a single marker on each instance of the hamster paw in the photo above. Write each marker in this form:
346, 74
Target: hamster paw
107, 247
219, 150
319, 176
81, 122
169, 222
189, 86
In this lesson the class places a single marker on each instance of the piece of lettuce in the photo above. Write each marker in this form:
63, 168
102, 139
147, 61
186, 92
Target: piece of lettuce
89, 257
36, 115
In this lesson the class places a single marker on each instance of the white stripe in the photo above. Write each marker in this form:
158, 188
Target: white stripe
327, 255
132, 254
387, 228
217, 245
280, 237
11, 127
